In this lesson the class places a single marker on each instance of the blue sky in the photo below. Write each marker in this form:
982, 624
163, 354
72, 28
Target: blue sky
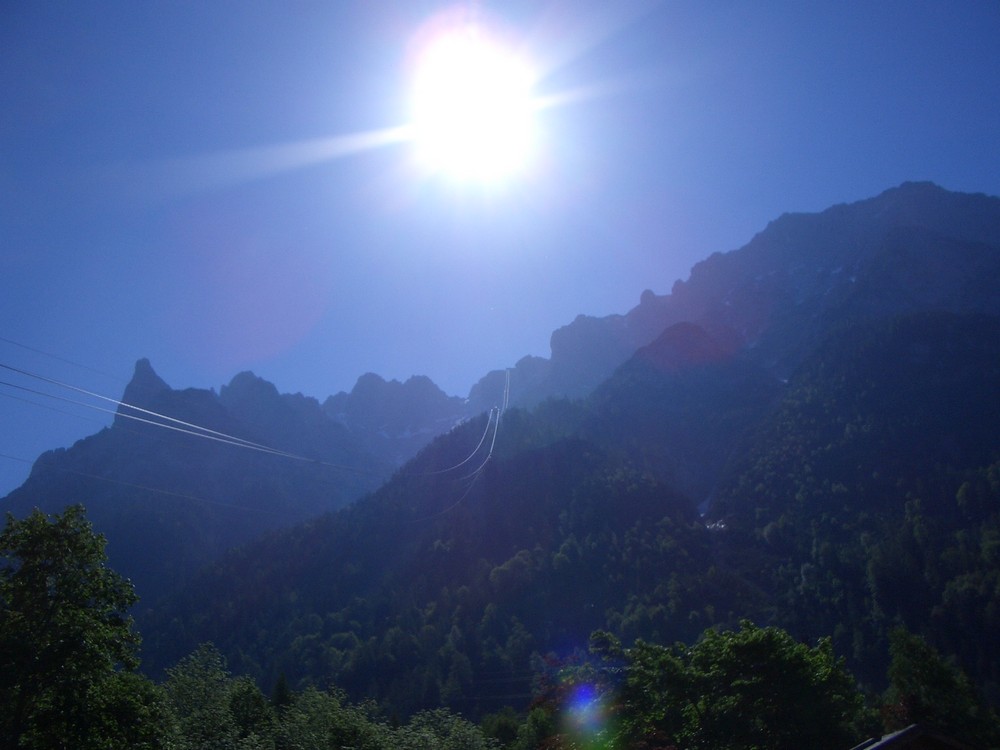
139, 218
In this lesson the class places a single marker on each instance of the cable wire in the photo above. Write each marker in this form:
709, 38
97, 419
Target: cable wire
194, 430
475, 450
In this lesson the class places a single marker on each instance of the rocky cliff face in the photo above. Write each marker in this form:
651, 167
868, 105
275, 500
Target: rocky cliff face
142, 391
914, 247
395, 419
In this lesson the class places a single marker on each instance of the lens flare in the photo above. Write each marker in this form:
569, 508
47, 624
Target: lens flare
586, 716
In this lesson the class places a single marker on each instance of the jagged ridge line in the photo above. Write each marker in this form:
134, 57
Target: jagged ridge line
195, 431
92, 394
474, 450
217, 437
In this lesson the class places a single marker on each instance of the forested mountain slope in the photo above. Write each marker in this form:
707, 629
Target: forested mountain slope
861, 495
437, 588
680, 407
871, 496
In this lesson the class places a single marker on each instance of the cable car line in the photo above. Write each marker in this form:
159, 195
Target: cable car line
478, 472
45, 406
475, 474
84, 391
475, 450
195, 430
187, 428
506, 393
216, 436
59, 359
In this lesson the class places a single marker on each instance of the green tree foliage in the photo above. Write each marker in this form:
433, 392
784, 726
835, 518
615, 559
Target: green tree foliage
466, 592
130, 711
252, 714
925, 689
870, 496
745, 689
751, 688
212, 710
502, 726
324, 719
442, 730
66, 641
215, 711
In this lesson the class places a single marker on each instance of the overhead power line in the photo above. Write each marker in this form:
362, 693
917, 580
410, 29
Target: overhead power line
56, 357
168, 423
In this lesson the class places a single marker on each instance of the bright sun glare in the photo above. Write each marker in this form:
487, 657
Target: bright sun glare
473, 114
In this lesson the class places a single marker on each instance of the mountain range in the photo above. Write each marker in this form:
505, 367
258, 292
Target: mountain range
805, 432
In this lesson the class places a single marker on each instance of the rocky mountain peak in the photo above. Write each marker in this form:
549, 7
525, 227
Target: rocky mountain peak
143, 389
246, 386
394, 407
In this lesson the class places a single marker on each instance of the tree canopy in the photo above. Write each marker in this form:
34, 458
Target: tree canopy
65, 636
749, 688
925, 688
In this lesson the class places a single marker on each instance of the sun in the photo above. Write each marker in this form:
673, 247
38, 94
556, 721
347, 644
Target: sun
472, 108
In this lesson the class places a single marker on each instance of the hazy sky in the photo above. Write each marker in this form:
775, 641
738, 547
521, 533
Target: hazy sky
167, 188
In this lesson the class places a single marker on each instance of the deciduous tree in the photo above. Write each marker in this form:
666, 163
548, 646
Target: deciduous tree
751, 688
65, 640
